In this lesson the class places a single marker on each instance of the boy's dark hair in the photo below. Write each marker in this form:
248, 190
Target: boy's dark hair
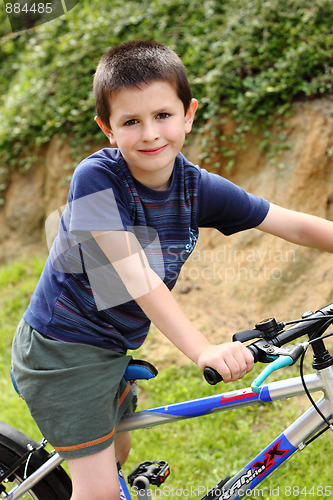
135, 63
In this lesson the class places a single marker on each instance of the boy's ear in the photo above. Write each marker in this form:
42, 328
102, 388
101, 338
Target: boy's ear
105, 129
189, 116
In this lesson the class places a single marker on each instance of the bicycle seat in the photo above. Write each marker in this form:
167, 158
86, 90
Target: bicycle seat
138, 369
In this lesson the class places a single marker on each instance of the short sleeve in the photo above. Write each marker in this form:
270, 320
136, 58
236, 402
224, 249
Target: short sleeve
227, 207
98, 201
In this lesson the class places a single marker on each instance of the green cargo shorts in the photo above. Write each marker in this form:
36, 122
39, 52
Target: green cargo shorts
76, 393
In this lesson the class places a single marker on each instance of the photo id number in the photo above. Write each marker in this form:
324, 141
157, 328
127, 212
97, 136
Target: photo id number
17, 8
315, 491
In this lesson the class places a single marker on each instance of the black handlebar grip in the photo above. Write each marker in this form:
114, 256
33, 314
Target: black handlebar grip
246, 335
212, 376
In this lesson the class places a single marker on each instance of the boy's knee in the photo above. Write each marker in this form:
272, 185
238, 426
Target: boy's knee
95, 476
122, 447
122, 455
112, 493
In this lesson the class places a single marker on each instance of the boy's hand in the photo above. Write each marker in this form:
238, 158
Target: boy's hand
232, 360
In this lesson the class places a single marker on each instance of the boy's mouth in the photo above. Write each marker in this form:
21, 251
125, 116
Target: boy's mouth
152, 151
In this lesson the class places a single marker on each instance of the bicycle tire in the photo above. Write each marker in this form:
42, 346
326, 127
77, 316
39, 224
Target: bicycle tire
13, 444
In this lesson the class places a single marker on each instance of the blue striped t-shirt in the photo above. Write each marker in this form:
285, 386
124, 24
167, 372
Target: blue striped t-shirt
79, 297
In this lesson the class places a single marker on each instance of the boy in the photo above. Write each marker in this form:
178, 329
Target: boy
131, 221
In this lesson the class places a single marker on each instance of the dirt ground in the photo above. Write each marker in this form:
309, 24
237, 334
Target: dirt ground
230, 284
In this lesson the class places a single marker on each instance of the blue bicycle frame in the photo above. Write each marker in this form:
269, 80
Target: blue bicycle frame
261, 466
276, 453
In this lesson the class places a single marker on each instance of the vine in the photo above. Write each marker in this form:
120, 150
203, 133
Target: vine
247, 61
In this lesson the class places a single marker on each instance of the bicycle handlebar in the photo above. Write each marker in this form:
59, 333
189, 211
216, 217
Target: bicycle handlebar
213, 377
260, 348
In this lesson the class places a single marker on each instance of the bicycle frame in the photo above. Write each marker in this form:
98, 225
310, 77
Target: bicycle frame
260, 467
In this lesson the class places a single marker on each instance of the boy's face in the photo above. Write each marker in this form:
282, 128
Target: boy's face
149, 126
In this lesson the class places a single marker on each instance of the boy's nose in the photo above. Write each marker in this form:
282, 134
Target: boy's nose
149, 132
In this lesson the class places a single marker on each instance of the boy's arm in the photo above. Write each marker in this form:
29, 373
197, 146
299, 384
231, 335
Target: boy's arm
232, 360
299, 228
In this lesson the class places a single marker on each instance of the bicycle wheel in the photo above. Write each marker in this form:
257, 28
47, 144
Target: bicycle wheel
13, 444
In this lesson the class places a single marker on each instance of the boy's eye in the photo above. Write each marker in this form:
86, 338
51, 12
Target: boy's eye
162, 116
130, 122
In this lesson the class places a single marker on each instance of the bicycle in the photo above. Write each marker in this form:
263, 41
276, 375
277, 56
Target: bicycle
26, 468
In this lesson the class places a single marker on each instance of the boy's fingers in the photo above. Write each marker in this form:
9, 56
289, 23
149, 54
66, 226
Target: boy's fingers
224, 371
231, 360
244, 357
237, 364
230, 369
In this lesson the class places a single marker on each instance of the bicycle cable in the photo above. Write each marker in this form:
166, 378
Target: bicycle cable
319, 433
307, 392
303, 320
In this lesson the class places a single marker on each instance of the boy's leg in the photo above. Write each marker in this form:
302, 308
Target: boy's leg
95, 477
122, 444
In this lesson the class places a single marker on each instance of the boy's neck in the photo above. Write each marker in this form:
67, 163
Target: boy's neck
157, 183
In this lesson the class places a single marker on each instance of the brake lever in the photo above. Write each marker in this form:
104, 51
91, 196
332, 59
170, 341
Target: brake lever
282, 357
264, 353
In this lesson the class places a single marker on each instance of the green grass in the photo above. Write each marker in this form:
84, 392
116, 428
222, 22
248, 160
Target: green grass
17, 282
200, 451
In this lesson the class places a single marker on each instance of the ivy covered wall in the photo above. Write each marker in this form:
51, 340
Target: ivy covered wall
247, 59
